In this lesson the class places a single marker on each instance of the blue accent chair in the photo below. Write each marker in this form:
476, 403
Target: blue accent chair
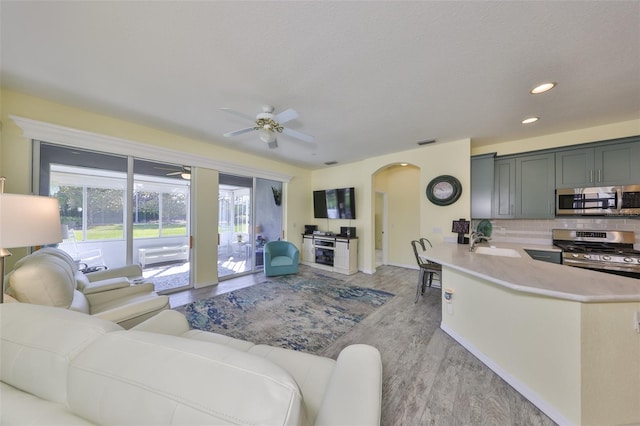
280, 258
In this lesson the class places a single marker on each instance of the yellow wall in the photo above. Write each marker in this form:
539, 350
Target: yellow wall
434, 222
15, 151
573, 137
401, 185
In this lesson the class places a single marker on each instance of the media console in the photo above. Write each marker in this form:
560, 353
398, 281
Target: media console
331, 253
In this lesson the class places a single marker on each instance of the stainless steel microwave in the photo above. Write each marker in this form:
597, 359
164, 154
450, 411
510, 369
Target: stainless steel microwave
599, 201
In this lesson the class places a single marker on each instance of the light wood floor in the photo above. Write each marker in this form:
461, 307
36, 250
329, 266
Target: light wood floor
428, 378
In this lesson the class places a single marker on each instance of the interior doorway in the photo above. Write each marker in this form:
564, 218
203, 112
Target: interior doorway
380, 228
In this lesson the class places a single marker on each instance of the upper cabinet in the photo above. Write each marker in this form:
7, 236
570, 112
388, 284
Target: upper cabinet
482, 185
535, 186
524, 187
609, 164
504, 188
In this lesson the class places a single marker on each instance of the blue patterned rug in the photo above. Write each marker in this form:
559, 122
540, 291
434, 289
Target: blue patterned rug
304, 312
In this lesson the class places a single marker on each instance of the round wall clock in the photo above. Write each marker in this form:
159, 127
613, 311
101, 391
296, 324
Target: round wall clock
444, 190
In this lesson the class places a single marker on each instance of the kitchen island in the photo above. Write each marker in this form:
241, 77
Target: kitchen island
563, 337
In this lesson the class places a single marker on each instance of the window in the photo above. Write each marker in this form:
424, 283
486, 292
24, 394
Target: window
97, 209
91, 201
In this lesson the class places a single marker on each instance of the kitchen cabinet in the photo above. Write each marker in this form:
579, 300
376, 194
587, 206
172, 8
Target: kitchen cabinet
524, 187
504, 188
554, 256
608, 164
482, 171
535, 186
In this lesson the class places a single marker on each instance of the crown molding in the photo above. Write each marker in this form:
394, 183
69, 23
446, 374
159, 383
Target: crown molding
47, 132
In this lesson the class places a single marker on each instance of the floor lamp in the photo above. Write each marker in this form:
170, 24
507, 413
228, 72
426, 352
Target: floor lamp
26, 221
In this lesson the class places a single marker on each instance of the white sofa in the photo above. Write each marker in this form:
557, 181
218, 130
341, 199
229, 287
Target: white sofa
63, 367
50, 277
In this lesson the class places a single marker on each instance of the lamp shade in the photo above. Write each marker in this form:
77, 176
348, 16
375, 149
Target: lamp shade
28, 220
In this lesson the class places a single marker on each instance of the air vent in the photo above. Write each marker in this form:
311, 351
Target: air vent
427, 142
330, 163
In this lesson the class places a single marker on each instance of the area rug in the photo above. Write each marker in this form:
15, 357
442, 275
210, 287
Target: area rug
304, 313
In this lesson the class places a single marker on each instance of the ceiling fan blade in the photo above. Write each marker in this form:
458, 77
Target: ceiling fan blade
297, 135
238, 114
238, 132
287, 115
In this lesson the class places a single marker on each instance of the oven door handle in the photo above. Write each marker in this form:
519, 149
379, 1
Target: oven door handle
618, 200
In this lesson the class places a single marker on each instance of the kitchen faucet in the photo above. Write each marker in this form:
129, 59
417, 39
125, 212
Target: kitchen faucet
477, 237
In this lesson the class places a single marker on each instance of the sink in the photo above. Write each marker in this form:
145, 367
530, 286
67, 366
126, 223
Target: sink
497, 251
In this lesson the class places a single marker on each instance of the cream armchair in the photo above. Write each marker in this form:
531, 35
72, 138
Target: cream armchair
50, 277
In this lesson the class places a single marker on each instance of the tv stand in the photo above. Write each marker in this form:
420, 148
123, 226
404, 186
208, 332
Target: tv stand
330, 253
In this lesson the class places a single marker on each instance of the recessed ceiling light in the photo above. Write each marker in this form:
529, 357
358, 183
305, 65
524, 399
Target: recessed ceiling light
530, 120
404, 164
542, 88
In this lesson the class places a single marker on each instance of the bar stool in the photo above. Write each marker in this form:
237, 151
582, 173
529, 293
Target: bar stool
427, 269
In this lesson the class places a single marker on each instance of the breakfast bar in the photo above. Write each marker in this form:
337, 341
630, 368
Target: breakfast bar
566, 338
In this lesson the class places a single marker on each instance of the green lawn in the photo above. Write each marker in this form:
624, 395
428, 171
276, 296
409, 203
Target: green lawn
114, 232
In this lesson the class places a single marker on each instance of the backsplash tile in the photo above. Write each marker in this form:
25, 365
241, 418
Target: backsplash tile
539, 231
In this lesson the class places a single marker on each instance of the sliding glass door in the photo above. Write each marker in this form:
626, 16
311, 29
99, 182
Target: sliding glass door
235, 231
117, 210
268, 218
160, 224
250, 215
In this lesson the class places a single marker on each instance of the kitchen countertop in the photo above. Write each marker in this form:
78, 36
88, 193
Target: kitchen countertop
527, 275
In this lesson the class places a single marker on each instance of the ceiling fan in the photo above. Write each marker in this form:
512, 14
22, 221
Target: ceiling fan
268, 124
185, 173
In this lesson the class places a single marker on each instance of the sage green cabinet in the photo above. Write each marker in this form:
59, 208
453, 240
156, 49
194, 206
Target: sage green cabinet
535, 186
609, 164
482, 167
504, 188
524, 187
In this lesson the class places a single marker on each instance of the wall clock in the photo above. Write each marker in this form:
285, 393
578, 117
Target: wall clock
444, 190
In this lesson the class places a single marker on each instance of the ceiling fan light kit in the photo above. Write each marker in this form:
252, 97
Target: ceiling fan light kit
267, 124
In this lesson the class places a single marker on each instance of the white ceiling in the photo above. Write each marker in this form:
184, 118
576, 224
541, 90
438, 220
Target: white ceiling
367, 78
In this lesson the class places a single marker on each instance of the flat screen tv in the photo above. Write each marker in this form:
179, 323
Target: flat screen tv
334, 204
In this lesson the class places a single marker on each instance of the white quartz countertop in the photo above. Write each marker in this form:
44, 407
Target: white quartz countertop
527, 275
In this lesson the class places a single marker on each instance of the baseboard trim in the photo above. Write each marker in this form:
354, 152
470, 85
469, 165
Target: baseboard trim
523, 389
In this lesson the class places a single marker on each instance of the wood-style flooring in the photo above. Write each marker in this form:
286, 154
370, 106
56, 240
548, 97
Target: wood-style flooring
428, 378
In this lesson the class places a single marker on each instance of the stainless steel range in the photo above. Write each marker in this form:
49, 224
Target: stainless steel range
606, 251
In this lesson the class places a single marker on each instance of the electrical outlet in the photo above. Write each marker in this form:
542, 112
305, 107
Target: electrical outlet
636, 322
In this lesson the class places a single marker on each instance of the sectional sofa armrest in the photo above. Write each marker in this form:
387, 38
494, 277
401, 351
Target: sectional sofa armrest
130, 291
166, 322
90, 287
354, 393
129, 271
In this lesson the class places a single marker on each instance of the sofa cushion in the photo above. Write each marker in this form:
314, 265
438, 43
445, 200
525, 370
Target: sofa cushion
241, 345
37, 343
281, 261
311, 372
42, 280
21, 408
133, 377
